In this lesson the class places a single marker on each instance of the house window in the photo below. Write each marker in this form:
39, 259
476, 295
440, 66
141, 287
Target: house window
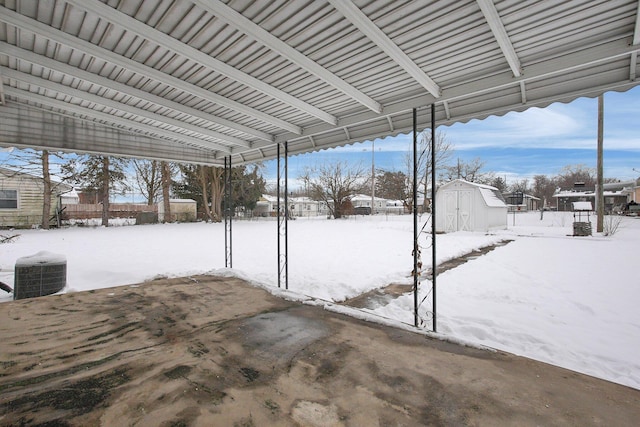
8, 199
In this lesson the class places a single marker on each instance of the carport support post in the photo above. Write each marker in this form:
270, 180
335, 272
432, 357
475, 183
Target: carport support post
283, 241
228, 261
414, 207
434, 267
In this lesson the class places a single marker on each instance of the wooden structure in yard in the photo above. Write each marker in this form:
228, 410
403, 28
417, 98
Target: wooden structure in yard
182, 210
116, 210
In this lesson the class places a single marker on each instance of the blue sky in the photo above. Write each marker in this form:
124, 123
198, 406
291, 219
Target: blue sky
518, 145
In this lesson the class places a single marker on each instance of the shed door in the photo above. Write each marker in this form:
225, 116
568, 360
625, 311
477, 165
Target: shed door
451, 211
464, 210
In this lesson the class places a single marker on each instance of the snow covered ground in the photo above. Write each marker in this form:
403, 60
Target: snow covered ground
568, 301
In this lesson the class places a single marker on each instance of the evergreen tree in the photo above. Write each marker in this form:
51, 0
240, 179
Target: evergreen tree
392, 185
100, 174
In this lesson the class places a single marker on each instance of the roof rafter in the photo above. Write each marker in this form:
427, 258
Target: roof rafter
636, 30
375, 34
1, 90
20, 21
500, 33
100, 100
128, 124
552, 66
636, 41
139, 145
34, 58
245, 25
149, 33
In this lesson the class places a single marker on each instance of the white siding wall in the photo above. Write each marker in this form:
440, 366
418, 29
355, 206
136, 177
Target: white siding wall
29, 211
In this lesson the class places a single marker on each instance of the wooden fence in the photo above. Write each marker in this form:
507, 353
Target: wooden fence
116, 210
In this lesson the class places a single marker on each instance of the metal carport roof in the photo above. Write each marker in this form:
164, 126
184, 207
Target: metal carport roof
200, 80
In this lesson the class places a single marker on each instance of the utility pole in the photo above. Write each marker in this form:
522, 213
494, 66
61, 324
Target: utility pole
600, 181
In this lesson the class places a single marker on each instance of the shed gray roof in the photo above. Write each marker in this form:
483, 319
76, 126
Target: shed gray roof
199, 80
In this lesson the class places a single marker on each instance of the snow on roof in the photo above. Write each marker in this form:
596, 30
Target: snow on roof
473, 184
491, 197
582, 206
365, 197
570, 194
72, 194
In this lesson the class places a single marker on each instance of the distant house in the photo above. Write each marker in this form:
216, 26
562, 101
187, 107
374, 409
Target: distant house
616, 195
467, 206
362, 203
21, 199
267, 205
304, 206
632, 191
298, 206
395, 207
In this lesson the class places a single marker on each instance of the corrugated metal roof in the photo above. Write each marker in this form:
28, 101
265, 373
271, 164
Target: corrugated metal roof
199, 80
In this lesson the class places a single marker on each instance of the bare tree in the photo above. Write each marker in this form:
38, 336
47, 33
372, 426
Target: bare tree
334, 184
46, 191
521, 186
444, 152
153, 180
166, 173
148, 179
39, 164
499, 183
469, 171
572, 174
101, 174
543, 188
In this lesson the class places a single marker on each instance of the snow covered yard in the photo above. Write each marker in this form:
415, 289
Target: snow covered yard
568, 301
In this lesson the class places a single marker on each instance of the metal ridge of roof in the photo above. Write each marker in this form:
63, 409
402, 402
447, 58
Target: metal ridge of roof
195, 81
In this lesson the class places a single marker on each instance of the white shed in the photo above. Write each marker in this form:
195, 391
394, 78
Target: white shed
182, 210
467, 206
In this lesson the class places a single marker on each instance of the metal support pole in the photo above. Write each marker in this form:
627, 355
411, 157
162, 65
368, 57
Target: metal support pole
434, 267
414, 204
600, 168
286, 215
283, 243
228, 236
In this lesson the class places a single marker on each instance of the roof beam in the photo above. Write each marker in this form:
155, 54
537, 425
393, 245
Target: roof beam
245, 25
20, 21
42, 61
1, 90
151, 131
100, 100
48, 63
636, 31
551, 66
161, 39
22, 127
375, 34
523, 92
500, 33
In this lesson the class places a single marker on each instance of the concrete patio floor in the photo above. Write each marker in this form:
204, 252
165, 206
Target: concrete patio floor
216, 351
